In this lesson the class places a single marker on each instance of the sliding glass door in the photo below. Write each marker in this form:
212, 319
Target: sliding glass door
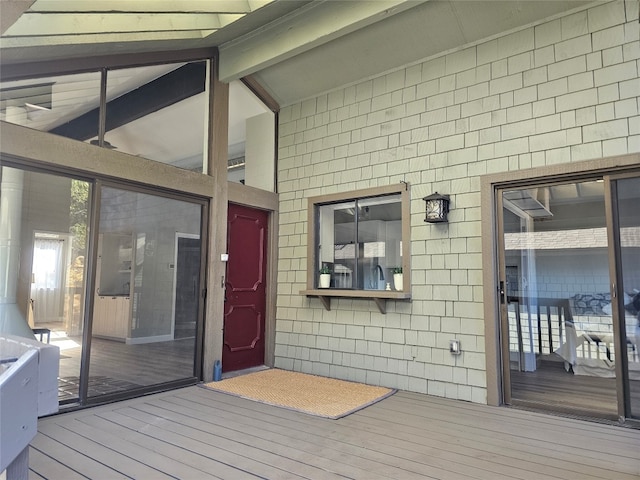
626, 238
110, 274
141, 333
44, 242
568, 344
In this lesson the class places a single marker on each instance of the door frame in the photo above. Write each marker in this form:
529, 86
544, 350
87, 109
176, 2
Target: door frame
615, 274
496, 379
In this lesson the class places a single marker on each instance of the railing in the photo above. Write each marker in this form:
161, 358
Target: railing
544, 325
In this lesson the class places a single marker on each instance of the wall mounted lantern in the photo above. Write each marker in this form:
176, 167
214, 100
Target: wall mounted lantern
437, 208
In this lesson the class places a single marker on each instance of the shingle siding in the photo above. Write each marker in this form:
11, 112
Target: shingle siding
561, 91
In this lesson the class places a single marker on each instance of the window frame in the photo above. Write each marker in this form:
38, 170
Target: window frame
379, 296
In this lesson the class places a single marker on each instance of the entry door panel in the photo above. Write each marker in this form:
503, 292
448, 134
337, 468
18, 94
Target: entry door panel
245, 302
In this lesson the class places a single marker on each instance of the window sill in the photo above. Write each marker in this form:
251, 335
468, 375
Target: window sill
378, 296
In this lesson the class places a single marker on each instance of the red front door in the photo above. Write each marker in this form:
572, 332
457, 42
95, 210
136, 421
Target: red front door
244, 312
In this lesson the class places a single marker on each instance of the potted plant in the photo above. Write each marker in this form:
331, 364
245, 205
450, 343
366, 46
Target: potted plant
325, 276
397, 278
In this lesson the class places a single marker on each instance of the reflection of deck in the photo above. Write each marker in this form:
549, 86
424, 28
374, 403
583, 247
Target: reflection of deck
551, 388
116, 366
201, 434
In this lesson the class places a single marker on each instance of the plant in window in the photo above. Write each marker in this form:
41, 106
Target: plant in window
325, 276
398, 282
325, 270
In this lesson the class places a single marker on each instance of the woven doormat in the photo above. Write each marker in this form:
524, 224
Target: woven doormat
312, 394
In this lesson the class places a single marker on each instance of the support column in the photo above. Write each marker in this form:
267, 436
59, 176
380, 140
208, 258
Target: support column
214, 312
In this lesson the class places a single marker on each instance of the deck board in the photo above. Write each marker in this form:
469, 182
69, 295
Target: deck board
361, 461
92, 446
171, 445
233, 441
572, 456
119, 440
470, 443
373, 447
517, 428
388, 435
198, 433
73, 459
50, 467
236, 459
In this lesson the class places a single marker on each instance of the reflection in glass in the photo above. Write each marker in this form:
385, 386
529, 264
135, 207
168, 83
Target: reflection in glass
560, 328
43, 247
65, 105
147, 293
628, 199
366, 235
159, 112
337, 247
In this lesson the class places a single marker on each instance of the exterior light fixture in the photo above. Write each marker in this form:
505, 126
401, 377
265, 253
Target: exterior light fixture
437, 208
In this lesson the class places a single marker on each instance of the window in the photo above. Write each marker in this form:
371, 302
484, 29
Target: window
159, 112
251, 148
361, 239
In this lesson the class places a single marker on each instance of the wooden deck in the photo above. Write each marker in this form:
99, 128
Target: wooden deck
193, 433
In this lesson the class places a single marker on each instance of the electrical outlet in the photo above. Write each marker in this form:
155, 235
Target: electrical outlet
454, 347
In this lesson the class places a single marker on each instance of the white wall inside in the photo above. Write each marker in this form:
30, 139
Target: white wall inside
260, 152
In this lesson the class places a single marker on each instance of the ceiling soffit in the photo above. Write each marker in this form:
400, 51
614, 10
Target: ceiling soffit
296, 49
306, 28
425, 31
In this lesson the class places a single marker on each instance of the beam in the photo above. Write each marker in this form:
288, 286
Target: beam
195, 6
96, 23
102, 38
12, 10
162, 92
308, 27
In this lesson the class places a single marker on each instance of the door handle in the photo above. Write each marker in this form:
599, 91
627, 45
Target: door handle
501, 292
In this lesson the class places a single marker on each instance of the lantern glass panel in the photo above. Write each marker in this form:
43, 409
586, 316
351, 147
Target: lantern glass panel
435, 209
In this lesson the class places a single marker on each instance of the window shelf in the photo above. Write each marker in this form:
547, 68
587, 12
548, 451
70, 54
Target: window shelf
378, 296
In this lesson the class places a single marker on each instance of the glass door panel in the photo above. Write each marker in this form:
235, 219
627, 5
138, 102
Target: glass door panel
557, 315
627, 194
147, 296
43, 251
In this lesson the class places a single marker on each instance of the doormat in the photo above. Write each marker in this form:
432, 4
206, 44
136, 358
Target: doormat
312, 394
